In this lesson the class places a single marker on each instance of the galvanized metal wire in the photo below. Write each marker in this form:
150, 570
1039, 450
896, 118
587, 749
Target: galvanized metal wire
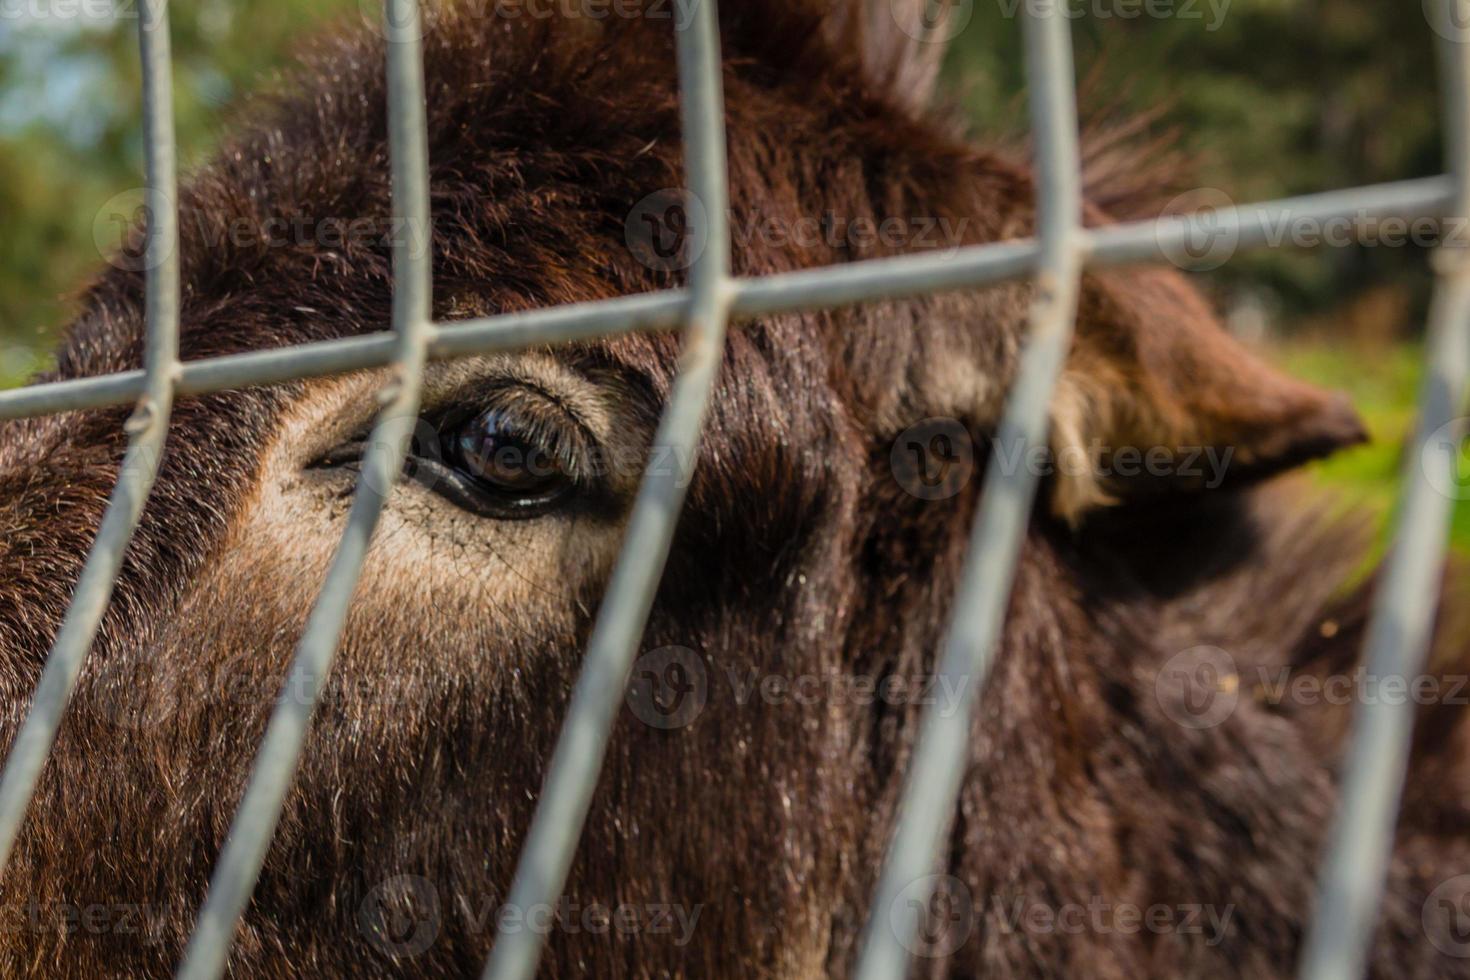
1402, 627
1353, 872
147, 431
1247, 226
255, 821
942, 754
577, 760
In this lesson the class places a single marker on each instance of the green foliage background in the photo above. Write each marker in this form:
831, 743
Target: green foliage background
1268, 98
70, 131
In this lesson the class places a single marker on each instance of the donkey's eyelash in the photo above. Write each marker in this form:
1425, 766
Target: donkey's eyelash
536, 415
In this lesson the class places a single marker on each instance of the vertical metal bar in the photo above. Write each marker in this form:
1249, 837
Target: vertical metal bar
1350, 884
280, 752
552, 841
147, 431
942, 753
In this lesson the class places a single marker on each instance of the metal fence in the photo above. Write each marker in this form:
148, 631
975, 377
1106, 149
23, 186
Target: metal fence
1361, 839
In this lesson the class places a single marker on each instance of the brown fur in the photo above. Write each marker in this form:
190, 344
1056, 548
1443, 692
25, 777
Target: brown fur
798, 553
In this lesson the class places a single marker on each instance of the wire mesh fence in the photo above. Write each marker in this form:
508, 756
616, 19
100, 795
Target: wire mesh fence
1354, 867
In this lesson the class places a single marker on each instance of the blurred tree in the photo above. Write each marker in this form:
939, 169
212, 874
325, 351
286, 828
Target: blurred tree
70, 137
1270, 98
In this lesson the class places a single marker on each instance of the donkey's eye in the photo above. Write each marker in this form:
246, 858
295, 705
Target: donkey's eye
503, 462
519, 458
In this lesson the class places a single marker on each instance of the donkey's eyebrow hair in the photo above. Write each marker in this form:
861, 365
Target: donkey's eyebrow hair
541, 411
566, 386
562, 403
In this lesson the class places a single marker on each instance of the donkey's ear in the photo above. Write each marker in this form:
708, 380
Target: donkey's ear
902, 42
894, 47
1157, 397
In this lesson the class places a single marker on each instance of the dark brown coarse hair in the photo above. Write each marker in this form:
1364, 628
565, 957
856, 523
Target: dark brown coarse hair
1106, 827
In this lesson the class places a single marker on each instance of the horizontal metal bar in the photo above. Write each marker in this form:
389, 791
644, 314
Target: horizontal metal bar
551, 843
148, 430
1252, 226
1400, 633
254, 825
941, 754
511, 331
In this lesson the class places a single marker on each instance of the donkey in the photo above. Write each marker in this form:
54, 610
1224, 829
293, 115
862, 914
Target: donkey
1111, 824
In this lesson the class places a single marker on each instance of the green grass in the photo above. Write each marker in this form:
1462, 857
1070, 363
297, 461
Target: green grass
17, 365
1384, 384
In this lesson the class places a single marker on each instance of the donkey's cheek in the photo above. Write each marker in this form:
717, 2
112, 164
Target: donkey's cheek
431, 568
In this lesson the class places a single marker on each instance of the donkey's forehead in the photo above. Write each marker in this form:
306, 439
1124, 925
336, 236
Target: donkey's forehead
287, 233
539, 159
